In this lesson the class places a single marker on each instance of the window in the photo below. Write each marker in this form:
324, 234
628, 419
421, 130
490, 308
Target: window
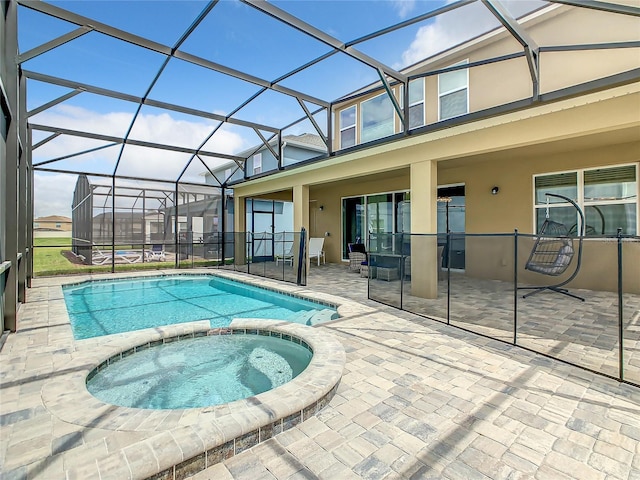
376, 220
227, 174
36, 225
58, 225
416, 103
257, 163
377, 118
608, 197
453, 92
348, 127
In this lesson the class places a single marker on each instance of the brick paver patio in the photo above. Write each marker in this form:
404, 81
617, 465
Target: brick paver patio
417, 399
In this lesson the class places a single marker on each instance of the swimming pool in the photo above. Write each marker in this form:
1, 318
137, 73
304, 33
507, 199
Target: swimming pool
200, 372
113, 306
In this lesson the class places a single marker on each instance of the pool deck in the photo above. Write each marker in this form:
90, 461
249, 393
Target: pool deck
417, 399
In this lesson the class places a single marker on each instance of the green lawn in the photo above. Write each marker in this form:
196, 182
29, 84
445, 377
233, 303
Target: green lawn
49, 259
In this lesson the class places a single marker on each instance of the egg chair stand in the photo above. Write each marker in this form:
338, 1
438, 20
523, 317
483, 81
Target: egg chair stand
553, 252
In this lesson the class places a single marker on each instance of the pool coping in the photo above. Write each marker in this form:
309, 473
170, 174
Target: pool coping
190, 440
193, 439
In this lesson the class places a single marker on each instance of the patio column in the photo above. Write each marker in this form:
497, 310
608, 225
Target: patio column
424, 249
301, 213
240, 229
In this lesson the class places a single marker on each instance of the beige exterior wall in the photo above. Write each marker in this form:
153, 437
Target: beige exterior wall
598, 129
330, 197
56, 226
513, 208
509, 81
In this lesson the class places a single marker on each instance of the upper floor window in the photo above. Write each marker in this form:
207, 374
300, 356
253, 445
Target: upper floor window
257, 163
608, 197
377, 118
453, 92
348, 127
416, 103
227, 174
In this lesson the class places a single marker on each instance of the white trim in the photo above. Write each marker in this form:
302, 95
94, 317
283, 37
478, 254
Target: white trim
423, 102
364, 196
256, 163
354, 126
393, 114
580, 192
449, 92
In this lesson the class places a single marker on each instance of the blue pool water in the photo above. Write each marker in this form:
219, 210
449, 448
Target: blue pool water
200, 372
107, 307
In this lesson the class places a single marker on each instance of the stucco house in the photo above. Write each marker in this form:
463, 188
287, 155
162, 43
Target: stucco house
52, 223
492, 137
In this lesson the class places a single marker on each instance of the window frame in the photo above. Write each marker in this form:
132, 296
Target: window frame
580, 187
365, 203
354, 125
393, 117
256, 163
449, 92
422, 102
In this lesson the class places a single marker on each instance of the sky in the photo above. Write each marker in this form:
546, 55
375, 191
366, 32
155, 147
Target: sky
232, 34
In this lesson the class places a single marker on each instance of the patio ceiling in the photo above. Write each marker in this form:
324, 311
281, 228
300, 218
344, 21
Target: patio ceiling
166, 91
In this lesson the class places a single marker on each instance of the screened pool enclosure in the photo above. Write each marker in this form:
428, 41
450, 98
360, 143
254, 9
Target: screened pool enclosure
140, 121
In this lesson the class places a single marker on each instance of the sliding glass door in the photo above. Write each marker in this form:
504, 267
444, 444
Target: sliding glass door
375, 219
452, 218
353, 223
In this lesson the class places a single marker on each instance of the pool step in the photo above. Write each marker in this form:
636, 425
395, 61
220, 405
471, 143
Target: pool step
314, 317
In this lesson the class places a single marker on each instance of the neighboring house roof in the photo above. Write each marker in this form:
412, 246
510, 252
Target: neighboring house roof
53, 219
308, 141
305, 140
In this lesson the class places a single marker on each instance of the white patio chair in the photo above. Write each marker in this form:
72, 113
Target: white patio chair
316, 246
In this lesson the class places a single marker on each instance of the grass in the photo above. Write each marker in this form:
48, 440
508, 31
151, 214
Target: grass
49, 260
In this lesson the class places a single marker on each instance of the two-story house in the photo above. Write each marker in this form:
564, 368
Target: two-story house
490, 127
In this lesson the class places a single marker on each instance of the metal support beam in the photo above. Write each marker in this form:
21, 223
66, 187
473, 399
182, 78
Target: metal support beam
323, 37
268, 145
590, 46
77, 154
411, 21
153, 103
56, 42
203, 62
531, 49
9, 163
139, 143
602, 6
22, 226
393, 99
62, 14
54, 102
43, 141
314, 123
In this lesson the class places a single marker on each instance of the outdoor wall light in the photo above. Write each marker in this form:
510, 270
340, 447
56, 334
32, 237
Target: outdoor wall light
495, 190
321, 207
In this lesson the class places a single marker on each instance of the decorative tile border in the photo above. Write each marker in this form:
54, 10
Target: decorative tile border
223, 430
188, 336
204, 274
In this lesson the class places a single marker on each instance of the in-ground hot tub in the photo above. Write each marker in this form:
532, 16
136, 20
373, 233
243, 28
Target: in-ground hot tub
181, 442
201, 371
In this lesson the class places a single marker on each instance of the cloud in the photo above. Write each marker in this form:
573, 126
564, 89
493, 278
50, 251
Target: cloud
448, 30
457, 26
403, 7
53, 193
